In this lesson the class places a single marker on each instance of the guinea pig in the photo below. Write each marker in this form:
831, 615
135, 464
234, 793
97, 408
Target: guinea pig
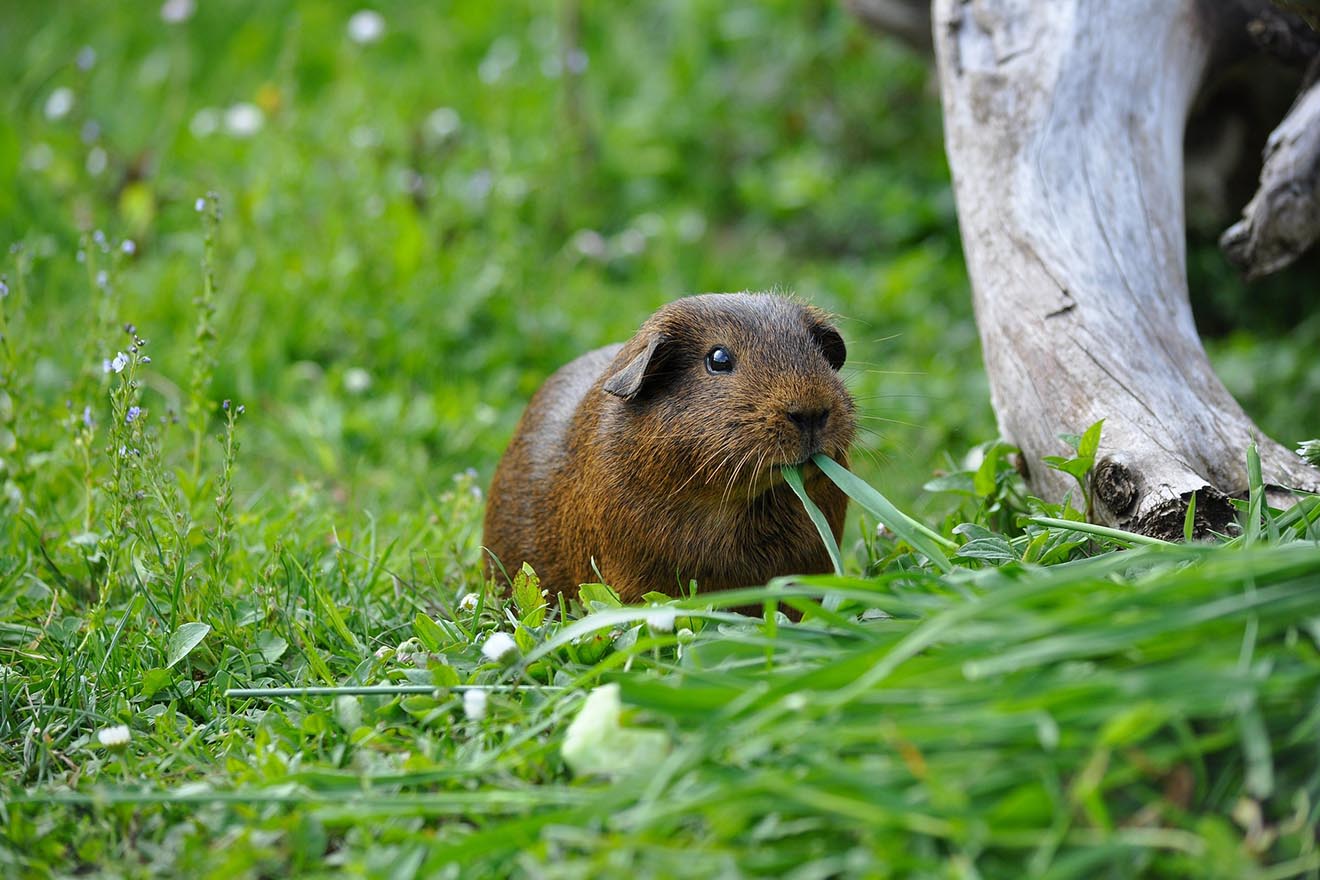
652, 463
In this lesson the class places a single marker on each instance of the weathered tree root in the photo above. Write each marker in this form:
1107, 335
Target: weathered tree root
1064, 127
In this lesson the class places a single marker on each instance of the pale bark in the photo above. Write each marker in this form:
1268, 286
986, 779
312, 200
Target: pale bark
1063, 126
1283, 219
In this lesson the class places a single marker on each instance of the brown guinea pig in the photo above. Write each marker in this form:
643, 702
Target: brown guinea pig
658, 461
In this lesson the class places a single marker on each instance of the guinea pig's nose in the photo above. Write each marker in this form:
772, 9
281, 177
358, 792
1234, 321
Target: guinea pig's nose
808, 421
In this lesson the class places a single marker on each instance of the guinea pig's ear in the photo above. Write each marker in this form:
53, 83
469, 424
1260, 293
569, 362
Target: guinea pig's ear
830, 342
628, 381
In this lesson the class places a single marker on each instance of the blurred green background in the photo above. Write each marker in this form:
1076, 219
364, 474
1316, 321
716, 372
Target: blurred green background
428, 207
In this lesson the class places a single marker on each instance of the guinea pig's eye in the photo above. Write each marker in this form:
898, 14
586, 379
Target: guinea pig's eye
718, 360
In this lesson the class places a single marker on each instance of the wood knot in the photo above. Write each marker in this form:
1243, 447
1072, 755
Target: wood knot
1116, 486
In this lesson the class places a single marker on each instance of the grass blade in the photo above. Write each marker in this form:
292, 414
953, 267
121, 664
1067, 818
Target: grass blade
1118, 536
793, 477
922, 538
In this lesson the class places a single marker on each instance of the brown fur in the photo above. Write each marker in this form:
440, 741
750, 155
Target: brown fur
639, 458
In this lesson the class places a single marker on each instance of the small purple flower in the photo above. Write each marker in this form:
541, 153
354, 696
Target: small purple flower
87, 417
225, 406
132, 414
4, 289
128, 247
240, 409
103, 279
200, 205
115, 366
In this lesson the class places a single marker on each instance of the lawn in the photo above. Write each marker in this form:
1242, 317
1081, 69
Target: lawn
278, 280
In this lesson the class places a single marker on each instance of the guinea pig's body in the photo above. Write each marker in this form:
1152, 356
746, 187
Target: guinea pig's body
658, 461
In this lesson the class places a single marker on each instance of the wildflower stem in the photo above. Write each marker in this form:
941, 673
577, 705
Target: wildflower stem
202, 355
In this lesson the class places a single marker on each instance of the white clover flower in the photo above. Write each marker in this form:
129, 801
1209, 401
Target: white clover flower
205, 122
177, 11
244, 119
59, 103
630, 242
443, 122
499, 60
691, 225
576, 61
469, 602
356, 380
366, 26
661, 620
500, 646
589, 243
474, 704
114, 737
39, 157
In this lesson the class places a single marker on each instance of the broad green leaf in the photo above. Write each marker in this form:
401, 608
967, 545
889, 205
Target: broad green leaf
527, 596
271, 645
599, 594
183, 640
991, 549
431, 634
155, 680
1090, 443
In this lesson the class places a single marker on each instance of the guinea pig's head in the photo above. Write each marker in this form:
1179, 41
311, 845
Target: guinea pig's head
728, 388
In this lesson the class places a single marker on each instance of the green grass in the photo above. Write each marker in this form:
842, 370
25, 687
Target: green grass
375, 289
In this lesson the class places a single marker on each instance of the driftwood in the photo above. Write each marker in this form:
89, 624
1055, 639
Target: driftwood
1283, 219
1064, 129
